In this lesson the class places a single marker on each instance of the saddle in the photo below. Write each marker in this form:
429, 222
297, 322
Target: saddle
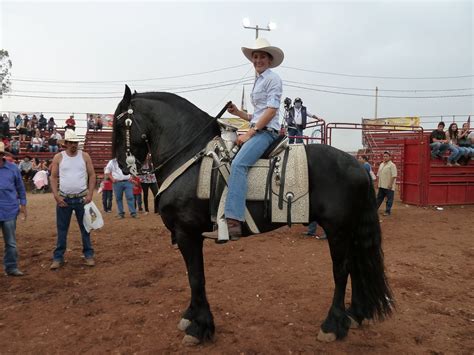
279, 179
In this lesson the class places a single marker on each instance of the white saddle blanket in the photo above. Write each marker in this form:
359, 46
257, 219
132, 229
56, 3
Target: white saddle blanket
296, 182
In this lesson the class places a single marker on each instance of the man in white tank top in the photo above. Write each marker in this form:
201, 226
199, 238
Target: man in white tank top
75, 172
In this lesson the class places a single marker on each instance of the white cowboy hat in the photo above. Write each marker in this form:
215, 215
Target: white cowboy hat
70, 136
261, 44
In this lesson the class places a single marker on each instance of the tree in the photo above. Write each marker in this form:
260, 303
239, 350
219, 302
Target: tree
5, 67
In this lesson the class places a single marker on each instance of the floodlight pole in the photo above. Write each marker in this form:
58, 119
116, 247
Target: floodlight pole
258, 28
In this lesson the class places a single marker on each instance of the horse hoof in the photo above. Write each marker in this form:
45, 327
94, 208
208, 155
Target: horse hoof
354, 324
189, 340
184, 324
326, 337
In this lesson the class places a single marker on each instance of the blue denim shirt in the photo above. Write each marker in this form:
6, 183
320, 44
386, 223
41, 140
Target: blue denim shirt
267, 92
11, 190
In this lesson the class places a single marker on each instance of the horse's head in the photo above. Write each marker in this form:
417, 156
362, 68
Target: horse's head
129, 142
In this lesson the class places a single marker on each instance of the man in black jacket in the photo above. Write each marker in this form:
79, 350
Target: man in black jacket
297, 119
438, 142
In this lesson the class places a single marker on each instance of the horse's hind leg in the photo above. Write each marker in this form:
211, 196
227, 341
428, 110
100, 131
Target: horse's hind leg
355, 312
336, 324
197, 320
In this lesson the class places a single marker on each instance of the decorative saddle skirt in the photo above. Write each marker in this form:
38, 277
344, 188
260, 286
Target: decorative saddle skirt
281, 182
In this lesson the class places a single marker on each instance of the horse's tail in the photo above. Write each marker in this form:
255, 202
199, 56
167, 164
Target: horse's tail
367, 270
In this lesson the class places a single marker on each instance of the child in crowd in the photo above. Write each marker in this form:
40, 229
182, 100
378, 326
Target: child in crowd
137, 193
15, 146
106, 188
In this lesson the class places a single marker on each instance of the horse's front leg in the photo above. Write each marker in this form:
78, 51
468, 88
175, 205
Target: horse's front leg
197, 320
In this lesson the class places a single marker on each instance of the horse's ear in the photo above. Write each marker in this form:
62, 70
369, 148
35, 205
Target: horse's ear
135, 92
127, 95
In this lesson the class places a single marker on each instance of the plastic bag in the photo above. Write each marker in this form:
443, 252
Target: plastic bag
92, 217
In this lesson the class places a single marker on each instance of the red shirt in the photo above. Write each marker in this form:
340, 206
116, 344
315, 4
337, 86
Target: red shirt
70, 122
107, 185
137, 187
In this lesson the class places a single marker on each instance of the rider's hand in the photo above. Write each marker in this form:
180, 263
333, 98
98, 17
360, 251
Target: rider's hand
233, 109
245, 137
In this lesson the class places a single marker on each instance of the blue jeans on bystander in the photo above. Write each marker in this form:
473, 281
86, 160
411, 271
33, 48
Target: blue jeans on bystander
295, 131
11, 254
63, 220
107, 200
382, 193
438, 148
121, 187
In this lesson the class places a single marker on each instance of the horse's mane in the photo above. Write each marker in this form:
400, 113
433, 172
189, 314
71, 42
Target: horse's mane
177, 102
171, 99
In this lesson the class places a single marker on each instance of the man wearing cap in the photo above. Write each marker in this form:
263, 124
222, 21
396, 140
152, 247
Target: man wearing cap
76, 175
297, 119
264, 128
12, 191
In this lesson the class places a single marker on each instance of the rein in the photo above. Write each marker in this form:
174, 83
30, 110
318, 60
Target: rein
131, 160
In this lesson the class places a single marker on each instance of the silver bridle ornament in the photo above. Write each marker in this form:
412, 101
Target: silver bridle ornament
130, 159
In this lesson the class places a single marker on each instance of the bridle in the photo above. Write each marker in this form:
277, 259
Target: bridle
131, 161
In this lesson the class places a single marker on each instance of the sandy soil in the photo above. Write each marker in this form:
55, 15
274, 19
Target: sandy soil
269, 294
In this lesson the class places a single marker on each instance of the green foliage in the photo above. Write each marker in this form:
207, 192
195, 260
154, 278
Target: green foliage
5, 67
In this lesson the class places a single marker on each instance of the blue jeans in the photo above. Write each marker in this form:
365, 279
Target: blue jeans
438, 148
53, 148
107, 200
312, 229
382, 193
455, 154
138, 201
247, 156
295, 131
11, 255
119, 188
63, 219
464, 151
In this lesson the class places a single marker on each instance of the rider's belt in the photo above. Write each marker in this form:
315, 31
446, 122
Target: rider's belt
273, 130
121, 180
80, 194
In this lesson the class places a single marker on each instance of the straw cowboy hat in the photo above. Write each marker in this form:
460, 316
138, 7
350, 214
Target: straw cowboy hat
70, 136
2, 147
261, 44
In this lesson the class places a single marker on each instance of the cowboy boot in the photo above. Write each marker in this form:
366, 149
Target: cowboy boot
235, 229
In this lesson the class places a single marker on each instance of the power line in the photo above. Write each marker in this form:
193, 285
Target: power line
372, 89
128, 80
231, 81
246, 83
379, 77
119, 97
385, 96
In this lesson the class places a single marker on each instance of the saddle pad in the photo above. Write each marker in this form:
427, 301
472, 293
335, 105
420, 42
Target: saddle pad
296, 182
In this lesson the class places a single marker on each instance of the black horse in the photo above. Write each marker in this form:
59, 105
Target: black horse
342, 201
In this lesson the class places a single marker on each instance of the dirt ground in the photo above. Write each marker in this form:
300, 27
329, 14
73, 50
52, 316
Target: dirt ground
269, 294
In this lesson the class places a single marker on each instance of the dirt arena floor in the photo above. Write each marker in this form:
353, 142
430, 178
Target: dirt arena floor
269, 294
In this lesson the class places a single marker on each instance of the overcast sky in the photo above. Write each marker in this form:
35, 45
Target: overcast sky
105, 41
